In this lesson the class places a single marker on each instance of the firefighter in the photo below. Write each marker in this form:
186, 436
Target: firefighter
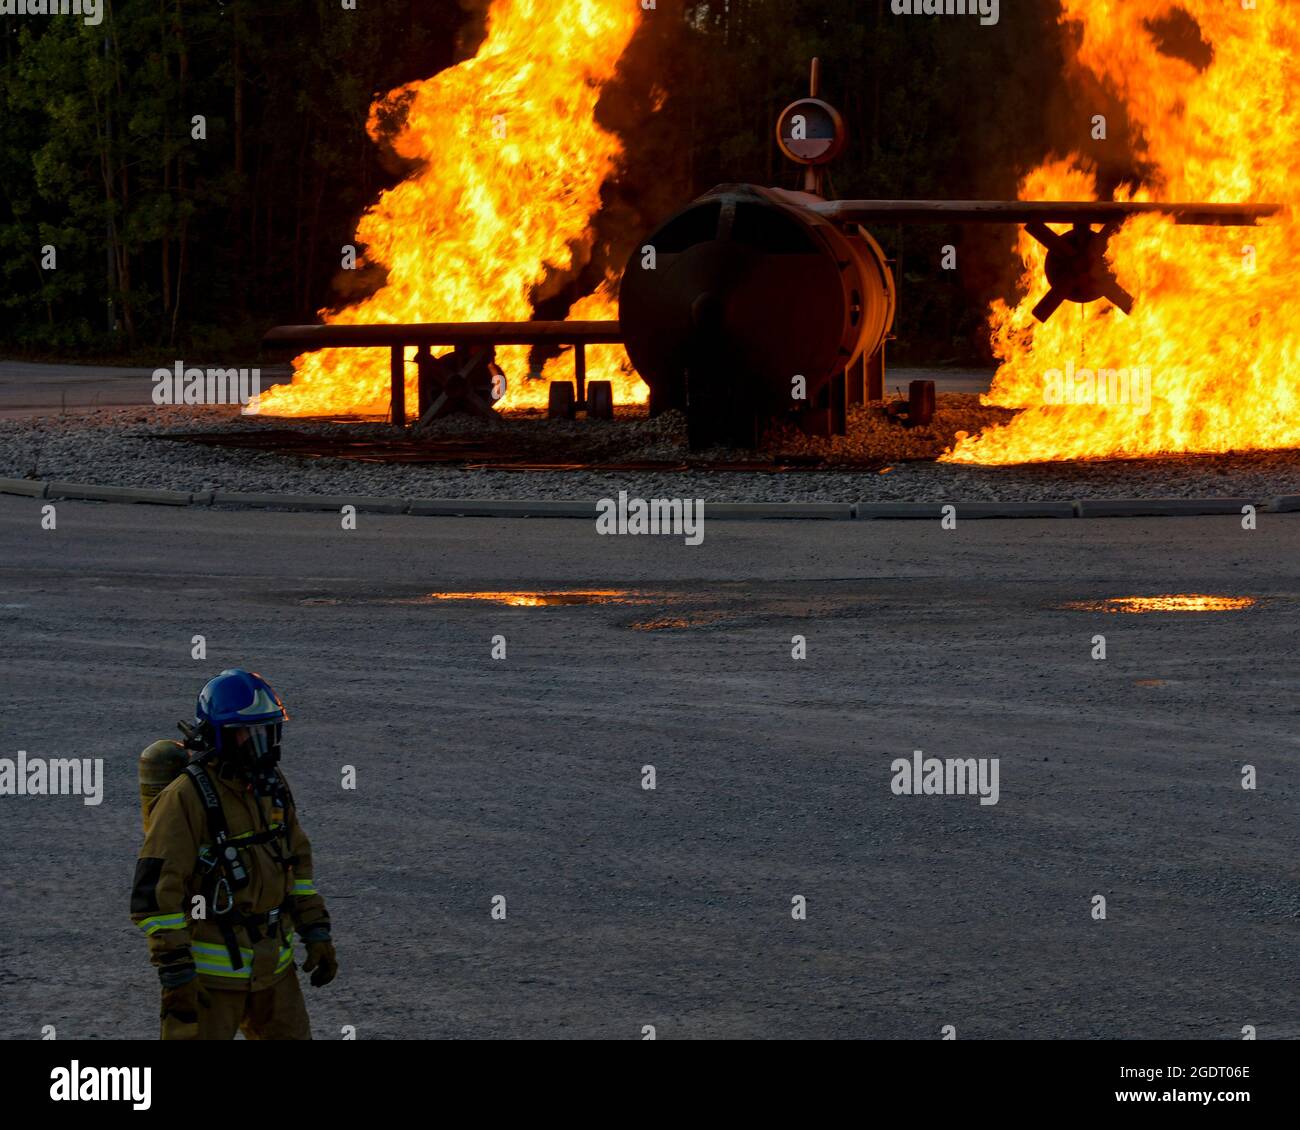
224, 878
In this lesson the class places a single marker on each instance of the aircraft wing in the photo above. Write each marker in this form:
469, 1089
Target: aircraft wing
303, 339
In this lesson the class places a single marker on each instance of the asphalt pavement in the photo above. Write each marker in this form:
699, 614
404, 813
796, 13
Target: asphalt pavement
522, 776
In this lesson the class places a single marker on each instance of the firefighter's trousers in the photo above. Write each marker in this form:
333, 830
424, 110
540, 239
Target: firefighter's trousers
274, 1013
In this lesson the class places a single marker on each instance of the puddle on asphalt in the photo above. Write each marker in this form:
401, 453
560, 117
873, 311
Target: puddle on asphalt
624, 598
513, 598
662, 610
1181, 602
675, 623
541, 599
650, 610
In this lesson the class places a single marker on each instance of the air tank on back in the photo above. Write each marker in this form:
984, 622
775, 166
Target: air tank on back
745, 307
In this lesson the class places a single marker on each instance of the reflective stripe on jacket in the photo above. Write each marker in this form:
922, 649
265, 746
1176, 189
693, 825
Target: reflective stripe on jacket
214, 960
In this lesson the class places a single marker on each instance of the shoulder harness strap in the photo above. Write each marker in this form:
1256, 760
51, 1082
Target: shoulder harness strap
217, 827
224, 858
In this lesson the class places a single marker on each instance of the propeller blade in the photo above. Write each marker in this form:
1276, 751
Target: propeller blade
1049, 305
1118, 295
1041, 232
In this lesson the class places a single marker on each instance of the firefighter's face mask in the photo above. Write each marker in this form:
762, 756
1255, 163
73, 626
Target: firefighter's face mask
260, 745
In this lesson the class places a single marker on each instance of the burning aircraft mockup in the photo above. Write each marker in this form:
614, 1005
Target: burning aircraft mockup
752, 304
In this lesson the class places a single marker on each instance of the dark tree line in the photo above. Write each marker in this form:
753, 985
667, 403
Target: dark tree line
168, 241
164, 238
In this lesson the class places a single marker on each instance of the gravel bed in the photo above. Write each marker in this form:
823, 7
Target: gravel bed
115, 447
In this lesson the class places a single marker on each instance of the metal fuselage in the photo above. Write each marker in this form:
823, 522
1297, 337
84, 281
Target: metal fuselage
747, 304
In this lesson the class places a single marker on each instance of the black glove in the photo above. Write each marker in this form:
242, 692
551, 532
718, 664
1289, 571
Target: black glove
321, 962
182, 1002
181, 1005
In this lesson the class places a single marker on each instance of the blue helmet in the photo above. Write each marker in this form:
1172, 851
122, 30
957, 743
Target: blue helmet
239, 699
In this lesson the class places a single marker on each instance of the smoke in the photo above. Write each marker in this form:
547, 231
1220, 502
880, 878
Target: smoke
637, 106
470, 35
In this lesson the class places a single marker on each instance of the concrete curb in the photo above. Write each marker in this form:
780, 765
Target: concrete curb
965, 510
309, 502
1016, 510
931, 510
716, 511
759, 511
118, 494
28, 488
504, 508
1160, 507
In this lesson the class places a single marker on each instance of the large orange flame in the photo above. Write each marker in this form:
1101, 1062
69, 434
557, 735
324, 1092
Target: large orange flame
511, 165
1214, 328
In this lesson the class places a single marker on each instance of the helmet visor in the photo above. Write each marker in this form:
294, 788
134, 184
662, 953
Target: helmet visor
261, 742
